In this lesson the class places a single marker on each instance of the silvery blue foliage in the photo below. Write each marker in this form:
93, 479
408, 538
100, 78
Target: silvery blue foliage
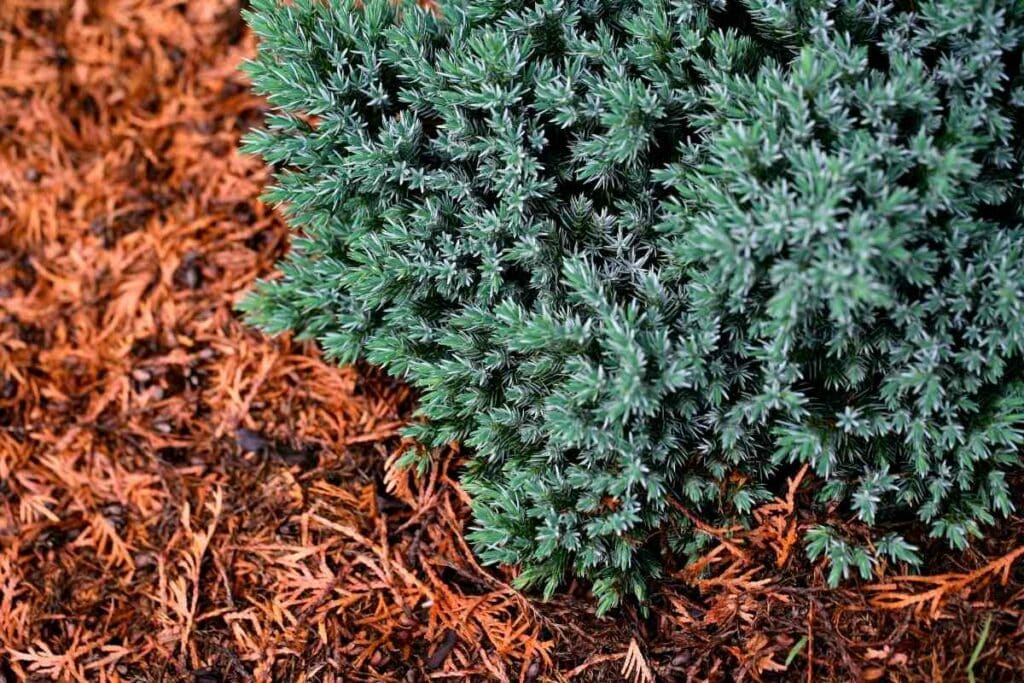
635, 253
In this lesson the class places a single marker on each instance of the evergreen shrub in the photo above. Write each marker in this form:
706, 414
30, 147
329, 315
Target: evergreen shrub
648, 257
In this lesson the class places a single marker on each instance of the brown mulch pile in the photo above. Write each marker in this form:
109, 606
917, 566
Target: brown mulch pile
184, 499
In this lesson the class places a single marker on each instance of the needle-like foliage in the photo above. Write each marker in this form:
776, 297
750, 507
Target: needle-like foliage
646, 257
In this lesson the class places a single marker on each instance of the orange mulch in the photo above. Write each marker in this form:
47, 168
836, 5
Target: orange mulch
184, 499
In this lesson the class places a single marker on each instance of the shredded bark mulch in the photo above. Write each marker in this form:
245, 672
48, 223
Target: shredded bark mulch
184, 499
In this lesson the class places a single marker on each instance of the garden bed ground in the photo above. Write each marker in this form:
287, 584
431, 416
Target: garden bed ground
185, 499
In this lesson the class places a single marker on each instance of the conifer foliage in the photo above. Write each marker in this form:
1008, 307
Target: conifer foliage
645, 257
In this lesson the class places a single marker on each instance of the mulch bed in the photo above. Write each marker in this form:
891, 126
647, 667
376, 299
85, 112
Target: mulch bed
184, 499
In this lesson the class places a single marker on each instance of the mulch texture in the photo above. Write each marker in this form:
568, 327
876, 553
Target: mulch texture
184, 499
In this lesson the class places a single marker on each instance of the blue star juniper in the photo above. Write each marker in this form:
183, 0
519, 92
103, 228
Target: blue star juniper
644, 255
